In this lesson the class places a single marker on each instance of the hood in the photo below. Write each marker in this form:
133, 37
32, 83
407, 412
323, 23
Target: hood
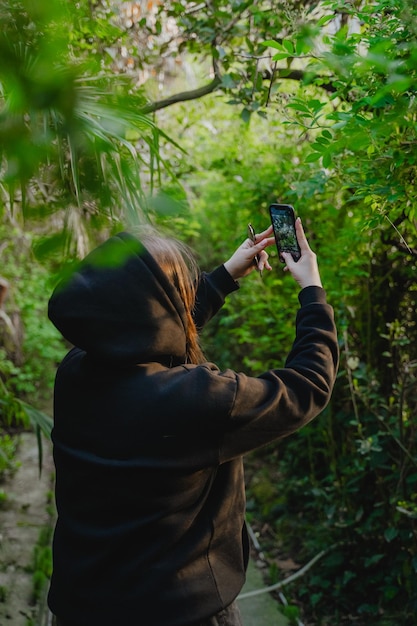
119, 306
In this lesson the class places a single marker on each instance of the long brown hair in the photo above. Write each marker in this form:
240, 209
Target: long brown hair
177, 261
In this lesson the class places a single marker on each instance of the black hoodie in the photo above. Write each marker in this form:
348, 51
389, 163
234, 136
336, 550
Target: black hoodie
149, 478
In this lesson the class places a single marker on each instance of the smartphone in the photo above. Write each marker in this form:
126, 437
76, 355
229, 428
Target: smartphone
283, 223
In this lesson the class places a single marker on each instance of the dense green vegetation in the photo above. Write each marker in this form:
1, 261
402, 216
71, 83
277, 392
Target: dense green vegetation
305, 102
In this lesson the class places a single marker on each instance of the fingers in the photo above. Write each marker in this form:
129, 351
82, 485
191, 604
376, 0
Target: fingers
288, 260
302, 242
263, 262
257, 252
256, 248
260, 237
301, 238
250, 254
265, 233
305, 271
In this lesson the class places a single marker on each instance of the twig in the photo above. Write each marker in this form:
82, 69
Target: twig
403, 241
255, 542
268, 96
290, 579
351, 385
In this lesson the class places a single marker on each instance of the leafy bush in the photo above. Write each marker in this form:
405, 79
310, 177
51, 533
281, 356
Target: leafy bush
42, 563
346, 483
8, 461
334, 84
42, 348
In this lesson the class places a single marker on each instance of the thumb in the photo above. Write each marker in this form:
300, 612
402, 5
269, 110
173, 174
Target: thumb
288, 260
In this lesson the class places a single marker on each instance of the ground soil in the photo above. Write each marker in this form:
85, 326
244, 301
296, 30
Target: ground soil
22, 517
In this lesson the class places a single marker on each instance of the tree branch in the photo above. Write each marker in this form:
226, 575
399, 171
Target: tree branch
282, 74
200, 92
183, 96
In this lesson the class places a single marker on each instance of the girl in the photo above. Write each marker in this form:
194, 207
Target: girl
149, 438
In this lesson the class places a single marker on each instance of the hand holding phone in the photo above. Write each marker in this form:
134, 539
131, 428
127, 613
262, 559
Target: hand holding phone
305, 270
283, 223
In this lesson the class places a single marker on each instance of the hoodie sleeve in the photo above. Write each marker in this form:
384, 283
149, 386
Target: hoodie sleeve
211, 293
281, 401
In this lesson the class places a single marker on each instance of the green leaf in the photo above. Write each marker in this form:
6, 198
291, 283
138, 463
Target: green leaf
304, 43
325, 19
327, 159
221, 52
298, 106
280, 55
318, 147
271, 43
288, 45
312, 157
372, 560
390, 534
228, 81
246, 115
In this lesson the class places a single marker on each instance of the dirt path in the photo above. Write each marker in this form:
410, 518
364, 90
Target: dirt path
21, 521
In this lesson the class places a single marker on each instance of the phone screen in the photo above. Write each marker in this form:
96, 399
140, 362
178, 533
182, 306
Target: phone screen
283, 223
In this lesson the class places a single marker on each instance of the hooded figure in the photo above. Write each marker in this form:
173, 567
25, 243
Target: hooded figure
148, 439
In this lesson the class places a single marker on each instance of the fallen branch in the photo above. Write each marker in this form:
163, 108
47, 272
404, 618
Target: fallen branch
290, 579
